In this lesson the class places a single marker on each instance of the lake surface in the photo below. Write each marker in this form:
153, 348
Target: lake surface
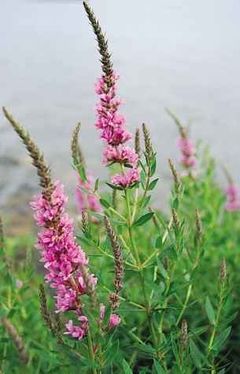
184, 55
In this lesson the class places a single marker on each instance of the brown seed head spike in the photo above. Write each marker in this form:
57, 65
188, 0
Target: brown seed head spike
148, 142
199, 230
117, 252
184, 334
85, 222
34, 152
102, 41
175, 175
175, 219
16, 338
182, 129
137, 142
46, 315
223, 271
77, 154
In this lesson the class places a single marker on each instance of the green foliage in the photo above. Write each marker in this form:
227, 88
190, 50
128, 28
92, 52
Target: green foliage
171, 273
178, 301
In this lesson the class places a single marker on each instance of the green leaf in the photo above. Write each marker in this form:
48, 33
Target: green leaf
157, 368
175, 203
210, 311
81, 172
146, 217
162, 270
96, 185
115, 187
220, 340
146, 201
152, 185
158, 243
195, 354
126, 368
105, 203
153, 166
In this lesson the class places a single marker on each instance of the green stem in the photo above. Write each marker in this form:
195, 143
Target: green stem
189, 290
165, 304
148, 309
146, 186
91, 352
215, 328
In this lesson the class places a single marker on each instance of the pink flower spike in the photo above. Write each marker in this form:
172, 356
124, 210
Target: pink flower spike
64, 260
114, 320
127, 179
85, 197
233, 198
188, 159
76, 332
121, 154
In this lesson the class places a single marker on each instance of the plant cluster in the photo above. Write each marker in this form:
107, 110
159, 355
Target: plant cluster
135, 290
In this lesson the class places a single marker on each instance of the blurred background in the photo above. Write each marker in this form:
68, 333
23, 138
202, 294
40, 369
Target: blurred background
180, 54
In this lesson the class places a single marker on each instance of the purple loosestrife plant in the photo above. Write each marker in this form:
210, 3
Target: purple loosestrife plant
64, 260
163, 264
188, 152
110, 122
86, 196
233, 198
66, 263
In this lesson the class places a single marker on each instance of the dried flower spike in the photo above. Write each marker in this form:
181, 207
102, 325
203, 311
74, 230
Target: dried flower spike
101, 39
199, 230
77, 154
86, 197
17, 339
85, 222
137, 143
223, 271
46, 315
175, 175
36, 156
176, 221
181, 128
117, 252
148, 143
184, 334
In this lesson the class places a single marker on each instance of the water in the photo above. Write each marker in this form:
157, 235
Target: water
184, 55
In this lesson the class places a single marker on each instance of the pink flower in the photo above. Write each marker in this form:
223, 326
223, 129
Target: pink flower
77, 332
102, 312
113, 131
187, 149
85, 197
233, 198
114, 320
115, 136
121, 154
126, 179
64, 260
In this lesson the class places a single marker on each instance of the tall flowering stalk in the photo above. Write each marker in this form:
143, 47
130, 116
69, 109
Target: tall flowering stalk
110, 122
86, 197
185, 145
65, 262
233, 198
232, 194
